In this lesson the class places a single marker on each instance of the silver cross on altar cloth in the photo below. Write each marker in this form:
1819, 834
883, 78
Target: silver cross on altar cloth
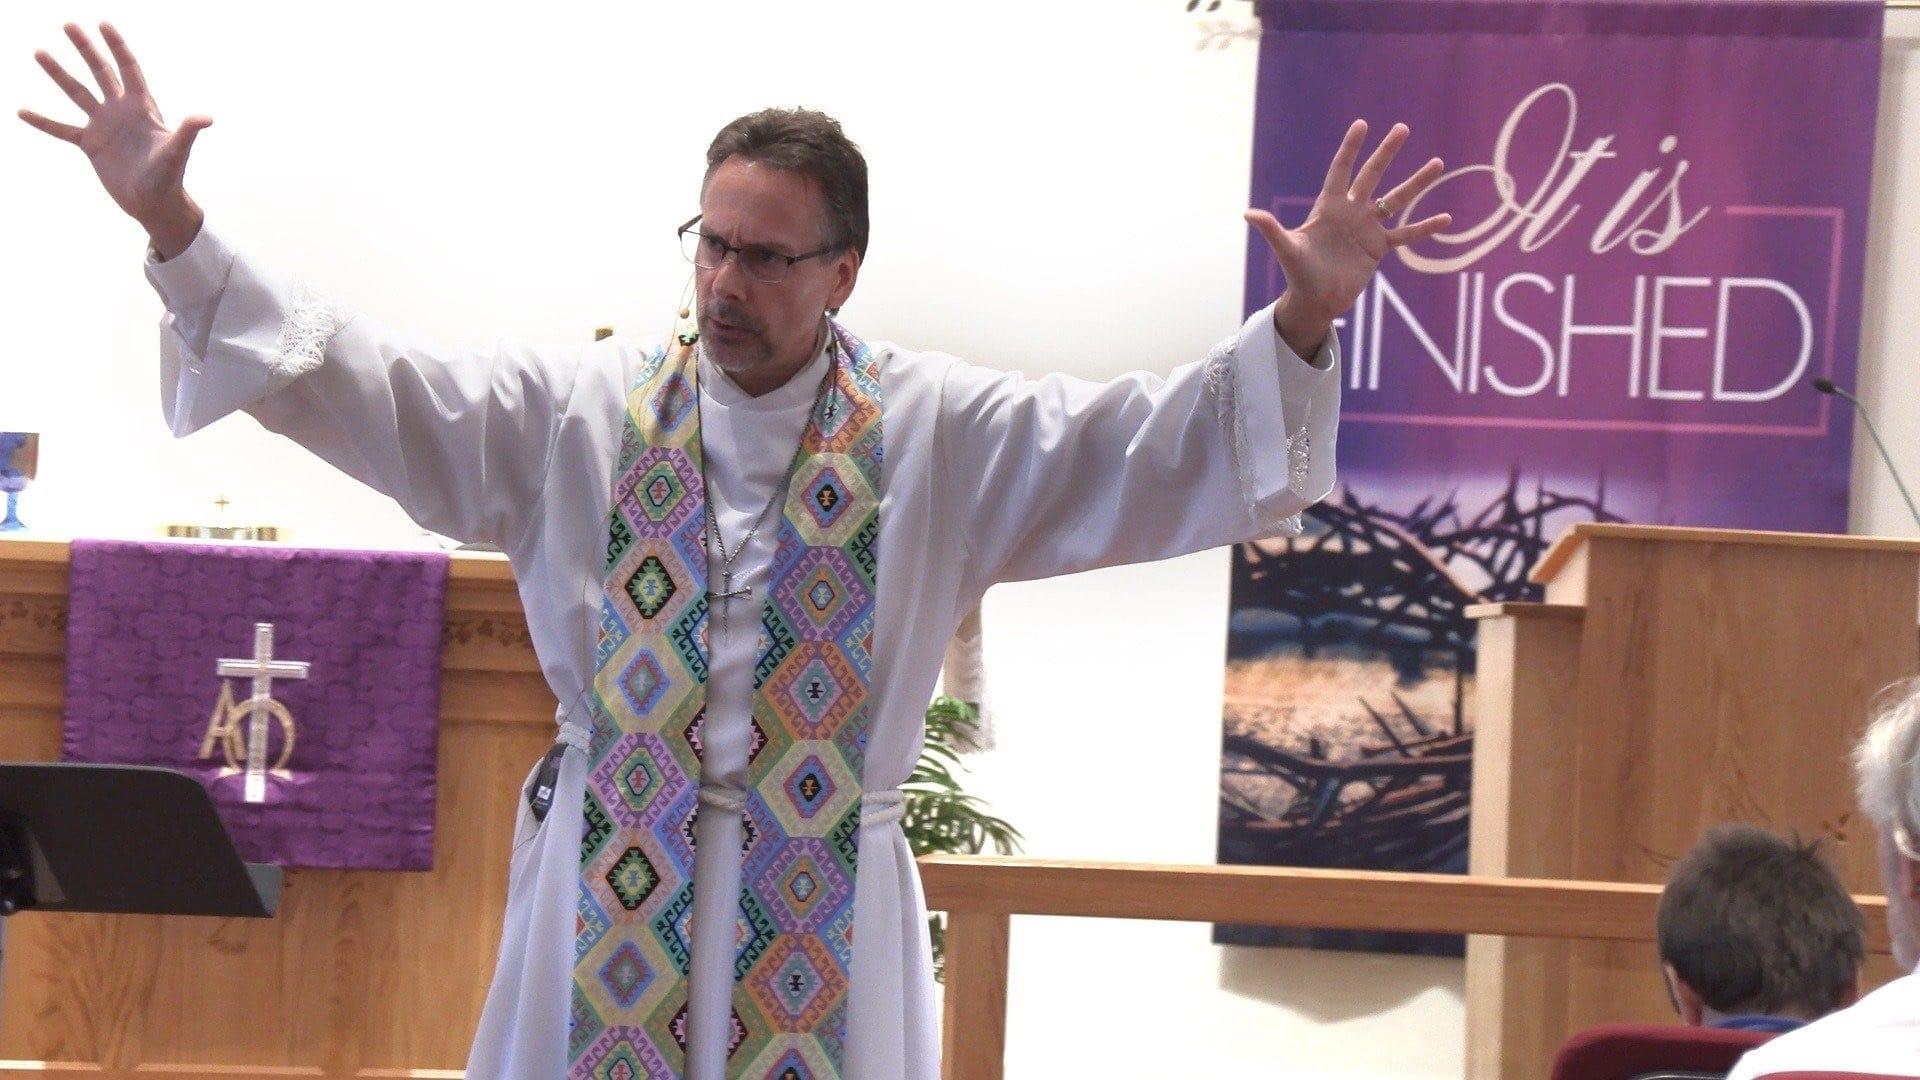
262, 669
727, 594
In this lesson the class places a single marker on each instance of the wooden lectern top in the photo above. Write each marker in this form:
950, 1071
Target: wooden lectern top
1570, 541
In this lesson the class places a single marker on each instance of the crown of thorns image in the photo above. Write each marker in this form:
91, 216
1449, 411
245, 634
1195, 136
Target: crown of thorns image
1382, 780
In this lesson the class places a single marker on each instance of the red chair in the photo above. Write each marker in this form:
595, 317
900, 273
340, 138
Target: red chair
1653, 1052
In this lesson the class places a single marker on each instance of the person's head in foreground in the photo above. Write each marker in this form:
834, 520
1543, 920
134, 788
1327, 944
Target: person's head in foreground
1757, 932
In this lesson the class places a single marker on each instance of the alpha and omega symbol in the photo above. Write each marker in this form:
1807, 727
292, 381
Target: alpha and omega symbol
241, 729
227, 732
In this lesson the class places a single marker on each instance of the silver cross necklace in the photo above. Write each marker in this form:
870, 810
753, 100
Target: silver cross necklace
724, 598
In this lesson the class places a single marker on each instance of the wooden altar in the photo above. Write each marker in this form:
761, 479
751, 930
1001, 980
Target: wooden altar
363, 974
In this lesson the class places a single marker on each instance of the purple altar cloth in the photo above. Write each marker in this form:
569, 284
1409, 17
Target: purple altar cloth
148, 624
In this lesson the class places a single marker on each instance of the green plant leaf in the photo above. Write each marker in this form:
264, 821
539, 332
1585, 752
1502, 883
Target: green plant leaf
940, 817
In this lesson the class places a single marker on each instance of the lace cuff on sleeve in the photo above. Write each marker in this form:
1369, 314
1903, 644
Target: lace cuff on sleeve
1222, 379
304, 335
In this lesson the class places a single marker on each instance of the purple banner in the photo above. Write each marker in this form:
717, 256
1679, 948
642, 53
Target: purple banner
1658, 239
1659, 218
343, 646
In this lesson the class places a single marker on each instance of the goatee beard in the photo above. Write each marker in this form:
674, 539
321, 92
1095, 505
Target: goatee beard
736, 357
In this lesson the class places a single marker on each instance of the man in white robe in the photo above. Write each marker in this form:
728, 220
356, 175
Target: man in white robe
988, 477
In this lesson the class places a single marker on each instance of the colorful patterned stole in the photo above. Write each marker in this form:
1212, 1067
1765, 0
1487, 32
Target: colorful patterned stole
810, 720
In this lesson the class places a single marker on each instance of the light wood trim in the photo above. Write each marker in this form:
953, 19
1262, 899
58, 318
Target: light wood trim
1289, 896
979, 893
478, 582
212, 1071
467, 565
974, 1036
1520, 610
1556, 557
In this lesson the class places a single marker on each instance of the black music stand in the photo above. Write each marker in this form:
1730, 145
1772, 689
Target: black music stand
120, 840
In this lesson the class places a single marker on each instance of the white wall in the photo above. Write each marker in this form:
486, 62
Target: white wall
1890, 333
1057, 185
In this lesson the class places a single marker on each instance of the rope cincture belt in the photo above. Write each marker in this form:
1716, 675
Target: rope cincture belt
876, 807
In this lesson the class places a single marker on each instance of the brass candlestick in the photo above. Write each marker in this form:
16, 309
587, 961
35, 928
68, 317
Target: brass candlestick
223, 532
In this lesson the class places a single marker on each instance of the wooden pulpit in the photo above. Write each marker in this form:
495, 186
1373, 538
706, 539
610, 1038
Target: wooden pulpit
1671, 680
363, 974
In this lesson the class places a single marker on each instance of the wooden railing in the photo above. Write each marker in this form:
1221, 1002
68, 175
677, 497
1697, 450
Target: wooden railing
980, 894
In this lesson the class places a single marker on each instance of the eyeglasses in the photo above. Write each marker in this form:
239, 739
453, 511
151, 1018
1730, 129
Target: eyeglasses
762, 264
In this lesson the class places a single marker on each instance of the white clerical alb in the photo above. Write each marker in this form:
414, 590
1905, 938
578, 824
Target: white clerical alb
988, 477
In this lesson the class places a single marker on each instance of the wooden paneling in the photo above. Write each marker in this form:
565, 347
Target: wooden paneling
363, 974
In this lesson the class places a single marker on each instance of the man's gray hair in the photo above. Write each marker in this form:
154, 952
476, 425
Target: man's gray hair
812, 144
1887, 763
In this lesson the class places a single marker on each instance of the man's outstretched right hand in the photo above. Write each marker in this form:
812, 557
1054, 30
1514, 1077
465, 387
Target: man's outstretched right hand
142, 165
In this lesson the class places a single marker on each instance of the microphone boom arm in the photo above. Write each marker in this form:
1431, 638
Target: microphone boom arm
1828, 387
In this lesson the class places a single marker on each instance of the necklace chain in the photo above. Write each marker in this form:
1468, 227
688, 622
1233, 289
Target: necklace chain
727, 592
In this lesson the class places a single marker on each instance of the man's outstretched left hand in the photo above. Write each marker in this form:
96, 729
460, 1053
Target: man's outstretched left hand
1330, 258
